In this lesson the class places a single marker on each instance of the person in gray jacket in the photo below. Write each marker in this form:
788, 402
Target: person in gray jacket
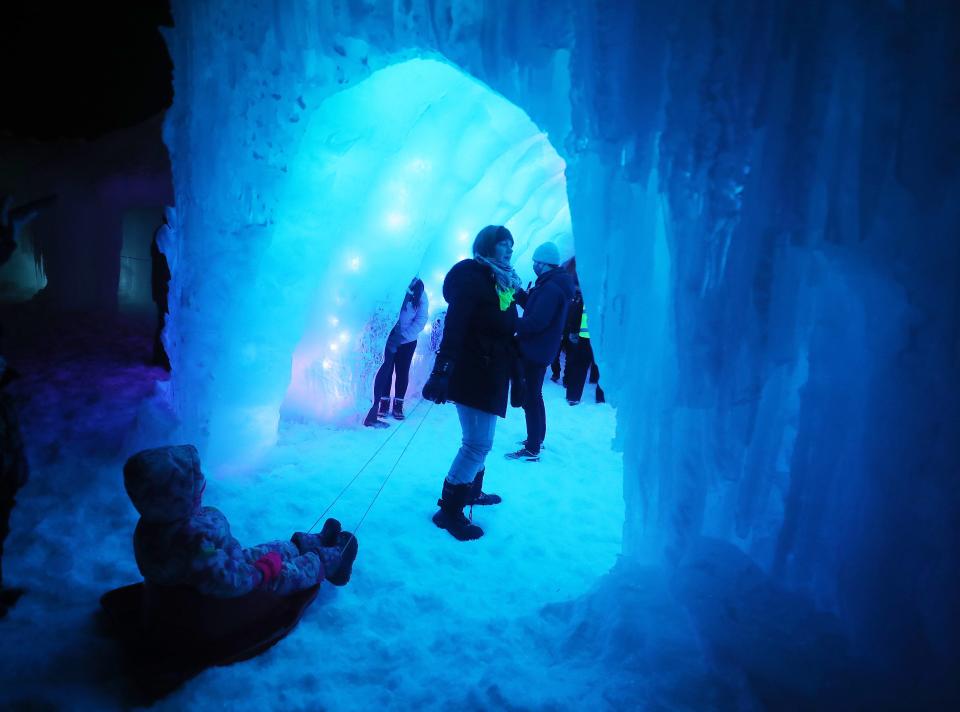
397, 356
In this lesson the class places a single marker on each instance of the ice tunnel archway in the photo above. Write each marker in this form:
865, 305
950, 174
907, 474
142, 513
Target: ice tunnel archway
748, 152
390, 178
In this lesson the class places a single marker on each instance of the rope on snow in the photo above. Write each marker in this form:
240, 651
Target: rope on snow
369, 460
389, 474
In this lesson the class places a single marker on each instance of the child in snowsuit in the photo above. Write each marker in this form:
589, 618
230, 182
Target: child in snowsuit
179, 542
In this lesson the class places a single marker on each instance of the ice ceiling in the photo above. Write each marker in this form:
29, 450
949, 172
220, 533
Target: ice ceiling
764, 198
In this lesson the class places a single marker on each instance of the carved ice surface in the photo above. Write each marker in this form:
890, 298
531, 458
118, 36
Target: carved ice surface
764, 205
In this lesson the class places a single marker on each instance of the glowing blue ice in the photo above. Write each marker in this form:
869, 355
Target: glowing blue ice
764, 202
386, 179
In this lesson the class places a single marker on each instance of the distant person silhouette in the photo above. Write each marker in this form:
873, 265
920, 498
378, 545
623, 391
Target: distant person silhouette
397, 356
580, 357
556, 374
13, 220
160, 289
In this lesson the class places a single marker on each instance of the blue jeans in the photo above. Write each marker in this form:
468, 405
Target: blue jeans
478, 427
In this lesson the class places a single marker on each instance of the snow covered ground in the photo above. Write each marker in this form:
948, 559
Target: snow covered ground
426, 622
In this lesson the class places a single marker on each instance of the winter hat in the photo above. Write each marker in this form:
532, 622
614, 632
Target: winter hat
163, 482
548, 254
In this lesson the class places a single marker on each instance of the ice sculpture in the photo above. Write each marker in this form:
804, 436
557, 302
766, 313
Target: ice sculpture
764, 197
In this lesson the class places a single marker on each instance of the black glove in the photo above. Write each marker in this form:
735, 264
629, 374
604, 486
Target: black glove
435, 389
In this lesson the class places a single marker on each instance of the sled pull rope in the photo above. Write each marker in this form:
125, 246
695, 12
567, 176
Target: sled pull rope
360, 471
389, 474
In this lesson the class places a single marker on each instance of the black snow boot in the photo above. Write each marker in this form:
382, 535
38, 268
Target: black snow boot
384, 407
480, 497
325, 539
398, 408
372, 421
329, 533
348, 545
450, 517
337, 550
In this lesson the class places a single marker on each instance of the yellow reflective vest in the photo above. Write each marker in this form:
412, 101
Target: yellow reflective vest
584, 332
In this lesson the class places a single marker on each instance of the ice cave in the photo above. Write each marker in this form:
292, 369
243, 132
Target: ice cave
762, 198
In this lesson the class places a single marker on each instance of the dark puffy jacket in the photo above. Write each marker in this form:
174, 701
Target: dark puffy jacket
478, 338
544, 316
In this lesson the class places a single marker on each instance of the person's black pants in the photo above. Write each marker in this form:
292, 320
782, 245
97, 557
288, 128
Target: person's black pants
579, 360
399, 362
533, 408
555, 366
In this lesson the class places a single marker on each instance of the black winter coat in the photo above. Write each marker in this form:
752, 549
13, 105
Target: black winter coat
478, 338
544, 316
575, 315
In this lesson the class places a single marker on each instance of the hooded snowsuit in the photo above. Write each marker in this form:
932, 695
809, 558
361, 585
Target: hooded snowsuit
178, 542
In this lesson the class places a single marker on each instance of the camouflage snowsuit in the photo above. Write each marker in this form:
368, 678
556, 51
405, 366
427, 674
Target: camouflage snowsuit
178, 542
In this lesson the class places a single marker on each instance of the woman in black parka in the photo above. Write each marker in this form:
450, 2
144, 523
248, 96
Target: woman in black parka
473, 367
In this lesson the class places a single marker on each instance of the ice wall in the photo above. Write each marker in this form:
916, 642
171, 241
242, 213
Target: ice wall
802, 162
764, 197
